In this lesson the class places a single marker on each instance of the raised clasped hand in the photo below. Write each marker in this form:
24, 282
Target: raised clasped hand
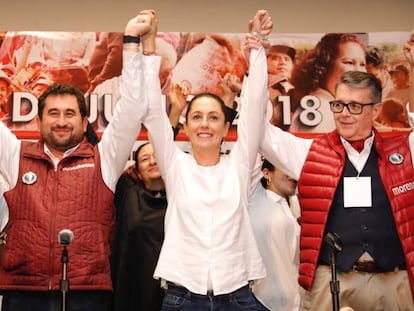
144, 24
259, 28
261, 24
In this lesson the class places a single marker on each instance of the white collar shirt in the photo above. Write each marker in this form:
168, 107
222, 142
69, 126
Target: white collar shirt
277, 235
209, 242
358, 159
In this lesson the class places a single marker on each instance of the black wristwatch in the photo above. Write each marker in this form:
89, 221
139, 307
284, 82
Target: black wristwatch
131, 39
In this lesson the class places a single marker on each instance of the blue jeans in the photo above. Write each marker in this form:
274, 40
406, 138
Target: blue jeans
180, 298
52, 301
259, 305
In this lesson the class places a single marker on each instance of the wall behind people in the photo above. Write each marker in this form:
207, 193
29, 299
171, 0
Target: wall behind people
196, 50
200, 61
213, 15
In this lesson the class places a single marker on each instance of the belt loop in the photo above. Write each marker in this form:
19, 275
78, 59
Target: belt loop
188, 295
251, 284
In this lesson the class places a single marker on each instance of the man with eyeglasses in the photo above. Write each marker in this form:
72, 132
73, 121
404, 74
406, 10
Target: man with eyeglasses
359, 185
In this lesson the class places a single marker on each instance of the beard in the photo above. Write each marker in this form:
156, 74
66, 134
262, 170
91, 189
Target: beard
62, 143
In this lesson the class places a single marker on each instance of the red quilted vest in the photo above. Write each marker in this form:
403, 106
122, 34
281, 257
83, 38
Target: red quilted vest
317, 184
73, 197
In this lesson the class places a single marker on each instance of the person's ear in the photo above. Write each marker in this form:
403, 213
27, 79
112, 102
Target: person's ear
226, 129
265, 172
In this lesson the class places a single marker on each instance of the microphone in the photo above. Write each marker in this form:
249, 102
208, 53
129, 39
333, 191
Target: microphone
334, 241
65, 237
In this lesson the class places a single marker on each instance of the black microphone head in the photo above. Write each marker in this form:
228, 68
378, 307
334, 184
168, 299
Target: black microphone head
334, 241
65, 237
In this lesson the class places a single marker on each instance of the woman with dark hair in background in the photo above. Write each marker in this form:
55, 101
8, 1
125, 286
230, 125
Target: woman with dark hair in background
141, 204
274, 220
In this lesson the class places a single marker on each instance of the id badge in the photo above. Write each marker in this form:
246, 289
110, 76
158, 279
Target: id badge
357, 192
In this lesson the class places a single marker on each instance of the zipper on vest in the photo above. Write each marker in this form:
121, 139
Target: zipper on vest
51, 256
52, 238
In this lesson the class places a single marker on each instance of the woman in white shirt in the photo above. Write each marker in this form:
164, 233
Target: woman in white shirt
209, 255
277, 231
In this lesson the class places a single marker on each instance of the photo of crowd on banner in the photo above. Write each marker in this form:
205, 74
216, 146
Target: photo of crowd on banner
303, 70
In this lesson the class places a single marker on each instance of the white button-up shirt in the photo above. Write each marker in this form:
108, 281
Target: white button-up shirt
209, 242
277, 235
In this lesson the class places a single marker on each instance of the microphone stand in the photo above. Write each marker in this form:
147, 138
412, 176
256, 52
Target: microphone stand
64, 282
335, 245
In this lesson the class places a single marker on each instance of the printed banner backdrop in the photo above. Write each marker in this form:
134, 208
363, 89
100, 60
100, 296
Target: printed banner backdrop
303, 70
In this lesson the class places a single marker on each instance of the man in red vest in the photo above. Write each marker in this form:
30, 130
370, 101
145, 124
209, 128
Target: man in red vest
359, 185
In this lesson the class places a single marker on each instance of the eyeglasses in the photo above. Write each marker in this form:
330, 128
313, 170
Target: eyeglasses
337, 106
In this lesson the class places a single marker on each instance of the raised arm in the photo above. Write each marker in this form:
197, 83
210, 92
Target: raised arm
157, 122
409, 56
9, 167
121, 133
230, 86
177, 97
254, 94
408, 50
